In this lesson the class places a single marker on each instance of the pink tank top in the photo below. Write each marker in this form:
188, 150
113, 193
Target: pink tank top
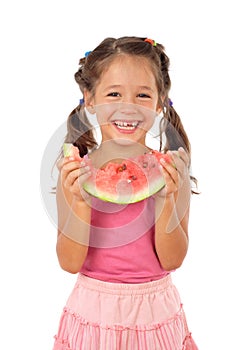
122, 243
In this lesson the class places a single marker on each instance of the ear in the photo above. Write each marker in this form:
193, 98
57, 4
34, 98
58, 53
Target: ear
159, 109
89, 101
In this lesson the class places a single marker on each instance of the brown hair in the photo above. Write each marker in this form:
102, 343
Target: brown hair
79, 130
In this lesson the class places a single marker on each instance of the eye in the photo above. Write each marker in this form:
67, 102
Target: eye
143, 95
113, 94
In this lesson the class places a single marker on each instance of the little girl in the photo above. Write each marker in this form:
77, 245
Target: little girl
124, 298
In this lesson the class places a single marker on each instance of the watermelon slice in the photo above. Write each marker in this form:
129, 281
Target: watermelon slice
130, 181
69, 150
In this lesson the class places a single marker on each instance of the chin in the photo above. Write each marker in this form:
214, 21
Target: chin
124, 142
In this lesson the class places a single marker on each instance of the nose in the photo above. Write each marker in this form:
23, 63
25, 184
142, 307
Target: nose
129, 99
127, 110
128, 106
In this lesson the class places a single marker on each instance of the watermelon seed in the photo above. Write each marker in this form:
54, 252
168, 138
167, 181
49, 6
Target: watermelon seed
145, 164
122, 168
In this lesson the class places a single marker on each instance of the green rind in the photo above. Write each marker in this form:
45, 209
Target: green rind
67, 149
139, 196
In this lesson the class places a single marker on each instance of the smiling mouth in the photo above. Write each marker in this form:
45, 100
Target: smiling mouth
126, 125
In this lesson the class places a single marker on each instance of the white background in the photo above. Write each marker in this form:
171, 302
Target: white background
41, 43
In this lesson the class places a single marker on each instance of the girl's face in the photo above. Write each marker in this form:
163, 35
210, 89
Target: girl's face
125, 100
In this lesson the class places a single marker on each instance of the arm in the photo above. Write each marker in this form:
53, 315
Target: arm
172, 213
73, 217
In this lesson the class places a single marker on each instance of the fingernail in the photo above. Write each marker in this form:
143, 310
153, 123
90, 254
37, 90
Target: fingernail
161, 168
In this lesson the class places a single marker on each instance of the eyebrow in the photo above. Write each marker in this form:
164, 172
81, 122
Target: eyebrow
145, 87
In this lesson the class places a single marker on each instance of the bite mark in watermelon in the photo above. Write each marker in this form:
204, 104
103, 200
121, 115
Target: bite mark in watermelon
130, 181
69, 150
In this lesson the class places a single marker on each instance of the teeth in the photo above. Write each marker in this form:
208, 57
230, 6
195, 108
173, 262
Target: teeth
128, 125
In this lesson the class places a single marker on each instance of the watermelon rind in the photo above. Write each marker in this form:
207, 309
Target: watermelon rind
67, 149
155, 187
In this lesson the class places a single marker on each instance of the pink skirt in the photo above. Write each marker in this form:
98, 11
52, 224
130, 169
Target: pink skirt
112, 316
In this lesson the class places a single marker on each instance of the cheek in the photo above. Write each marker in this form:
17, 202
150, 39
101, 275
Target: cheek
149, 117
104, 112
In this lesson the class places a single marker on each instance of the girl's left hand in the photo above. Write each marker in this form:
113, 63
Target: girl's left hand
175, 172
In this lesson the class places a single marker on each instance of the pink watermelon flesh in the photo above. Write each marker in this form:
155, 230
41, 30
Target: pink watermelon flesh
130, 181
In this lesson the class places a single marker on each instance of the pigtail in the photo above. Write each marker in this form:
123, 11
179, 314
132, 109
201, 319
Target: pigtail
170, 126
175, 136
80, 130
173, 130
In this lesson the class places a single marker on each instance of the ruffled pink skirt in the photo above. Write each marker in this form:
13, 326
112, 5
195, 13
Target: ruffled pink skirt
112, 316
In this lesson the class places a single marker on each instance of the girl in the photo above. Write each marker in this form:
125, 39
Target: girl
124, 298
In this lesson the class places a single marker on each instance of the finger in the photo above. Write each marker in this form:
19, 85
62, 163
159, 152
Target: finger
184, 156
84, 170
171, 175
169, 167
72, 165
64, 160
84, 174
77, 187
76, 174
60, 163
174, 156
180, 154
66, 169
180, 159
170, 185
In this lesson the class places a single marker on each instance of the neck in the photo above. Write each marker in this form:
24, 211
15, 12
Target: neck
112, 151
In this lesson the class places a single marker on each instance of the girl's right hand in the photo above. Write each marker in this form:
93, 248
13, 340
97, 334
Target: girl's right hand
72, 174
